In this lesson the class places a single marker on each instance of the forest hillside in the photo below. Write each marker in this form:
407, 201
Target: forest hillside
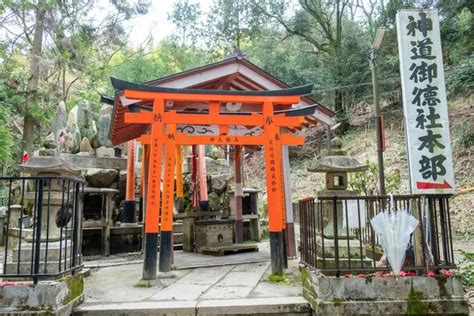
359, 141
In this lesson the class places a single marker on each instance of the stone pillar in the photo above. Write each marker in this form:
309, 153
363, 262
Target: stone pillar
290, 225
239, 226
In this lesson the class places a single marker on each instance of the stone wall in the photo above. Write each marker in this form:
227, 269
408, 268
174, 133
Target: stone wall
56, 297
383, 295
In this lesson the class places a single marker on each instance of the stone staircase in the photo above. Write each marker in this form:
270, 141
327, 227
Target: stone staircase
249, 306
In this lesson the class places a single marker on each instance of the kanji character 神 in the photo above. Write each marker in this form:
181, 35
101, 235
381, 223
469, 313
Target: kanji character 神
423, 25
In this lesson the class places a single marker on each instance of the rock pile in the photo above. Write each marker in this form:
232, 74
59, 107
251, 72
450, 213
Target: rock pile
77, 132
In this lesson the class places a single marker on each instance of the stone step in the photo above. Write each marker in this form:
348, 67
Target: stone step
51, 267
296, 305
52, 250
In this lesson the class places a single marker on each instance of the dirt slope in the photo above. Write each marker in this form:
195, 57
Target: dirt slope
360, 142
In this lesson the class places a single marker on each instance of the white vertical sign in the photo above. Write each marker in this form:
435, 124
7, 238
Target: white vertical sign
424, 102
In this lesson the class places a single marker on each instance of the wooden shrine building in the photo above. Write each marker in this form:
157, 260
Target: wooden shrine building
227, 96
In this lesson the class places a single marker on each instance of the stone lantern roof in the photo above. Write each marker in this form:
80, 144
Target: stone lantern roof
337, 161
48, 165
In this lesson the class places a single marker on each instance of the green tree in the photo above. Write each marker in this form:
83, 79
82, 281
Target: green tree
58, 39
230, 24
185, 16
320, 24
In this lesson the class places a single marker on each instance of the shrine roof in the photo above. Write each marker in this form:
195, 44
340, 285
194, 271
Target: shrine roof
234, 75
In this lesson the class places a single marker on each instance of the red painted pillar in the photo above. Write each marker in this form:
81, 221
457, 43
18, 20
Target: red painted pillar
128, 214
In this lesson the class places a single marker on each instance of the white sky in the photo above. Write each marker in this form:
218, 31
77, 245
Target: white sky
156, 22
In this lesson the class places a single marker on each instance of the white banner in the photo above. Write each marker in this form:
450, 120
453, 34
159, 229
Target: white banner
424, 102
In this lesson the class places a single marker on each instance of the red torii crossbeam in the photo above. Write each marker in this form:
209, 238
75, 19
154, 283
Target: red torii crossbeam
163, 134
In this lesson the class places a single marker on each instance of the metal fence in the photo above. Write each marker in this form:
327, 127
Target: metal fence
42, 229
336, 235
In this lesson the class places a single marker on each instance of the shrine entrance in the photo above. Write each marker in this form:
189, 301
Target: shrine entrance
163, 139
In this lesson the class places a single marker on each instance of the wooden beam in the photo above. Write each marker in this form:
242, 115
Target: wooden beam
185, 139
146, 95
247, 85
255, 119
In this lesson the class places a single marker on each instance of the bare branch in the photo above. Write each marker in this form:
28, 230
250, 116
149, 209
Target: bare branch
69, 87
291, 30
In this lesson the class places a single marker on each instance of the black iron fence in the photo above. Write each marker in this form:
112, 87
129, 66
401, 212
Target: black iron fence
42, 227
336, 235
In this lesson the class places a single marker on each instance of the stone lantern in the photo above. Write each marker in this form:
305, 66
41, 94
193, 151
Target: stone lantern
336, 165
57, 207
52, 166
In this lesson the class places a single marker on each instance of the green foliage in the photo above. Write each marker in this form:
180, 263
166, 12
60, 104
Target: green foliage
465, 134
316, 41
415, 305
230, 24
366, 182
280, 279
459, 79
165, 59
185, 17
457, 31
70, 57
6, 138
466, 268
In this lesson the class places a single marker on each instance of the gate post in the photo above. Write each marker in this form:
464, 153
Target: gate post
167, 201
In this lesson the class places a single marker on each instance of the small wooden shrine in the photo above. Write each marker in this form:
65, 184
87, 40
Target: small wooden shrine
240, 105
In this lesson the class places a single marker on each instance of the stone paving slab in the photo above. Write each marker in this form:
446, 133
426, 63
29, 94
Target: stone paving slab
227, 292
180, 292
242, 278
259, 267
264, 288
256, 306
119, 284
169, 308
238, 282
224, 287
207, 276
188, 260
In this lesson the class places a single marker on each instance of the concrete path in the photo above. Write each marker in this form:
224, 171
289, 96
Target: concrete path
220, 289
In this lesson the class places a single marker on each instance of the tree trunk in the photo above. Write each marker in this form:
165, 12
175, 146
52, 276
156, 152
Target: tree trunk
32, 92
338, 93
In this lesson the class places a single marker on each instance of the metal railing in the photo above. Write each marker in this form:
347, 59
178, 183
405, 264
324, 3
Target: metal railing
336, 235
42, 230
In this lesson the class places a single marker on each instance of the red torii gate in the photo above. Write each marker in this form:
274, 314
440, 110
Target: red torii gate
163, 133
